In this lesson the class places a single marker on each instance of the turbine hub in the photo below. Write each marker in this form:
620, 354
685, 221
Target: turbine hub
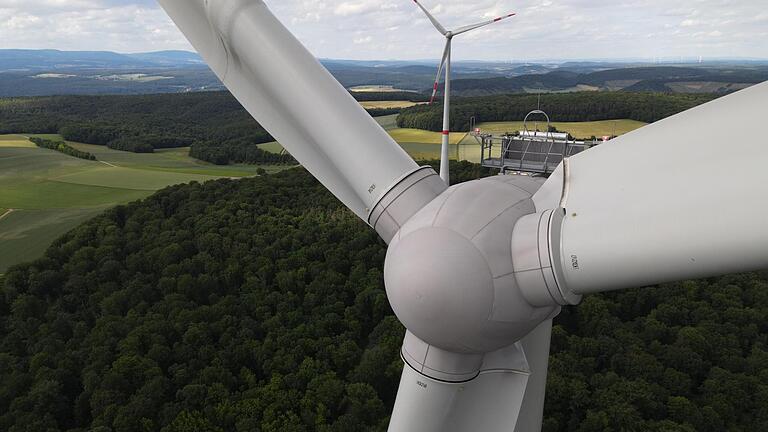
449, 270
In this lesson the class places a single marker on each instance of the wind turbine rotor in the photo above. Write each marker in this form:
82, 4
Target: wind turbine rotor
440, 72
477, 272
432, 19
471, 27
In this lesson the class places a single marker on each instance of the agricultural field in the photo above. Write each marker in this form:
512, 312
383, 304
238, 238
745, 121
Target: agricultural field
51, 193
576, 129
377, 89
420, 144
389, 104
14, 141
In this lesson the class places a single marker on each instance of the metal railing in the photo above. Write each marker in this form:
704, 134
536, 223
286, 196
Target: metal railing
527, 151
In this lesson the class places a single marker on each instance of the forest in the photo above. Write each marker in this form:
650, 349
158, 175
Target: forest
561, 107
143, 123
258, 305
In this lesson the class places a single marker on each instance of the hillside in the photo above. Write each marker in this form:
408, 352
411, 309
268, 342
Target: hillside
52, 72
666, 79
214, 124
258, 305
562, 107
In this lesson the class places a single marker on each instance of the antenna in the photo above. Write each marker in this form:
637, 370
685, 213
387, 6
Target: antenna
445, 64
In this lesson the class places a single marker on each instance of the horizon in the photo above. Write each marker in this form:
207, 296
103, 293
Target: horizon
622, 60
368, 30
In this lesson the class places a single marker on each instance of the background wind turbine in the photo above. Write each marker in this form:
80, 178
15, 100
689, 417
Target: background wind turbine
445, 63
477, 272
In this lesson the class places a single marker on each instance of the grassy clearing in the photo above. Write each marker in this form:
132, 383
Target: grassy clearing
387, 122
576, 129
175, 160
53, 192
130, 178
389, 104
26, 234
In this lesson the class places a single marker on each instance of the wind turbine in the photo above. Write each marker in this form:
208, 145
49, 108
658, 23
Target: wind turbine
445, 62
477, 271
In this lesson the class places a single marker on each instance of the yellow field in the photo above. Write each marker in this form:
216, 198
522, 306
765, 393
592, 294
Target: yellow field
11, 141
422, 136
389, 104
576, 129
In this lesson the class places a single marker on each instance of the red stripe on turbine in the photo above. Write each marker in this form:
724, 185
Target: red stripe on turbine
497, 19
446, 132
435, 86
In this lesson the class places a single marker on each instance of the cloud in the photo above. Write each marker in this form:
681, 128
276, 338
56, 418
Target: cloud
396, 29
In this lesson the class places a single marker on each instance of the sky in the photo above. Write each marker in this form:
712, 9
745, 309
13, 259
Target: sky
397, 30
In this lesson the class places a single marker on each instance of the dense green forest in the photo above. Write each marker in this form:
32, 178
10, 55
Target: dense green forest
143, 123
237, 151
561, 107
258, 305
61, 146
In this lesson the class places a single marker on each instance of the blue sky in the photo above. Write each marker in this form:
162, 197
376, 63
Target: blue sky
395, 29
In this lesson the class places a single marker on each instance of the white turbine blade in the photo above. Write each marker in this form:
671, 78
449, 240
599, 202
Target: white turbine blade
490, 402
680, 199
471, 27
294, 97
439, 72
536, 347
432, 19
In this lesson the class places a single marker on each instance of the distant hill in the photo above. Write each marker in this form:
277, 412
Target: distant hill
666, 79
30, 60
52, 72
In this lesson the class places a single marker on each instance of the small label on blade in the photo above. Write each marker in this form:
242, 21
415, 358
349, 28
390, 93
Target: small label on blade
421, 384
575, 262
372, 188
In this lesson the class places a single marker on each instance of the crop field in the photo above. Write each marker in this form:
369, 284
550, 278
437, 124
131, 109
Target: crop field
423, 137
389, 104
169, 160
576, 129
51, 193
376, 89
14, 141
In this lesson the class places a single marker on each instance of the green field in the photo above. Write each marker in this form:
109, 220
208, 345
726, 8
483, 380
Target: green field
51, 193
576, 129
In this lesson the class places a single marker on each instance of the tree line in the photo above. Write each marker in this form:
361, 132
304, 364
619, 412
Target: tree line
561, 107
237, 151
259, 304
62, 147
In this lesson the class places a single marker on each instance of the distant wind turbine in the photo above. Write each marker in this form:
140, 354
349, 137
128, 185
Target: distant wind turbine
446, 63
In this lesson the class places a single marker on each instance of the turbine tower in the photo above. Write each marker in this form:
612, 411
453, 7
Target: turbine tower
445, 62
476, 272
